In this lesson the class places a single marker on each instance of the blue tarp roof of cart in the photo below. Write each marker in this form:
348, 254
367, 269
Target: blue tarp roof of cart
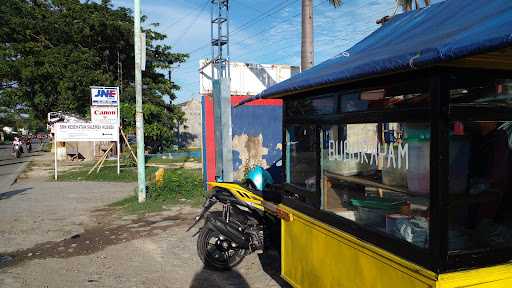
442, 32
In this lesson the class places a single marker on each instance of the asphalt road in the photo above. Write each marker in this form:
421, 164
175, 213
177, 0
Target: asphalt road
11, 167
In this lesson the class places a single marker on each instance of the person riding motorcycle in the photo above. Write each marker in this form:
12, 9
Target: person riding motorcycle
15, 142
17, 149
28, 143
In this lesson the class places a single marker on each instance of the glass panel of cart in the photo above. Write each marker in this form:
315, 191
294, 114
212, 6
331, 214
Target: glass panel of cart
378, 175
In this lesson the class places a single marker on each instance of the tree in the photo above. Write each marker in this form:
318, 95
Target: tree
159, 128
307, 52
52, 51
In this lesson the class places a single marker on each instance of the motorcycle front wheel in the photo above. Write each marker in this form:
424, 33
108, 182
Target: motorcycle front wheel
216, 251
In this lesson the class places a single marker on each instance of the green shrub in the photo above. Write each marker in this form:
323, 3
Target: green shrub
178, 185
183, 186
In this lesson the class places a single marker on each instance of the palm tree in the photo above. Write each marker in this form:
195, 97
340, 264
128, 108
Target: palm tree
306, 53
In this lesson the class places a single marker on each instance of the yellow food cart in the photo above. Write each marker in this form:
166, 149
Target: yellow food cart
398, 155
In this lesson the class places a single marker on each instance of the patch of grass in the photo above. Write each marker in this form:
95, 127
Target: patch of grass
189, 149
179, 186
155, 160
106, 174
131, 205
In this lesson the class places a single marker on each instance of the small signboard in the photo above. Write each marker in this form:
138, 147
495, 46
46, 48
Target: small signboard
143, 52
104, 115
68, 132
105, 96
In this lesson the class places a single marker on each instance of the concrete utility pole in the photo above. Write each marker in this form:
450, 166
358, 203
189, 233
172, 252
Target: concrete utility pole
139, 116
220, 88
307, 53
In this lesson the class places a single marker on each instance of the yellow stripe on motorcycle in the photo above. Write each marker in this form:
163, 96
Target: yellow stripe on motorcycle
240, 193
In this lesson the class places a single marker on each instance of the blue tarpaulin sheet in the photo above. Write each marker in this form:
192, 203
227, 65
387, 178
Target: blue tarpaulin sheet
442, 32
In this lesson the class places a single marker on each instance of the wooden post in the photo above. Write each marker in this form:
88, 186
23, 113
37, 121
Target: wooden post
118, 156
128, 144
101, 162
96, 164
119, 125
102, 158
55, 155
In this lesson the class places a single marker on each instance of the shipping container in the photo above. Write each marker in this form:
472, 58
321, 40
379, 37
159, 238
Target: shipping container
247, 79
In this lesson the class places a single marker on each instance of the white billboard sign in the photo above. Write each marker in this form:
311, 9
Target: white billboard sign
105, 96
68, 132
104, 115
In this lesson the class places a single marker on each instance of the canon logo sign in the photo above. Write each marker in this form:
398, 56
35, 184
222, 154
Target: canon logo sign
104, 113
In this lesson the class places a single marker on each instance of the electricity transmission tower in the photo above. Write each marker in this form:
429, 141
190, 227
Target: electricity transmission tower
221, 91
220, 38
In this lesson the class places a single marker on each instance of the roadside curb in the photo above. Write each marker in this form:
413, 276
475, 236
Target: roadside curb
18, 171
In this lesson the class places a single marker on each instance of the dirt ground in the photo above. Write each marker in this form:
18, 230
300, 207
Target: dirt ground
63, 235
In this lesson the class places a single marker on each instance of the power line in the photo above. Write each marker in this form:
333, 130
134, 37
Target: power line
273, 10
271, 27
275, 46
175, 22
267, 13
208, 45
248, 6
194, 82
284, 40
185, 15
193, 70
266, 30
279, 54
187, 29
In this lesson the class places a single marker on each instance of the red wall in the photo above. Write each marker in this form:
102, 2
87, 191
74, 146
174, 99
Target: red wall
209, 143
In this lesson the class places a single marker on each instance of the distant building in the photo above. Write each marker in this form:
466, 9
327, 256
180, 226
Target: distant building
190, 131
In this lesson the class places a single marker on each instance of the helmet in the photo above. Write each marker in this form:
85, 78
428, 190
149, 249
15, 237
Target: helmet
259, 177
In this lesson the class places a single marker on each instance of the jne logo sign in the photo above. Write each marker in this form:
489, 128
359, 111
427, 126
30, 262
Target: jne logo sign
110, 93
105, 96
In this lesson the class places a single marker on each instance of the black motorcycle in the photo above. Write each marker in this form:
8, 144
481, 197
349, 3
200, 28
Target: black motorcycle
240, 228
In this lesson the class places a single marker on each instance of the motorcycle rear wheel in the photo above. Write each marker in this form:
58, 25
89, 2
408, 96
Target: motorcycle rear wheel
212, 253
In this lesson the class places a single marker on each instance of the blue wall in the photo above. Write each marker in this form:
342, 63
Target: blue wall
254, 120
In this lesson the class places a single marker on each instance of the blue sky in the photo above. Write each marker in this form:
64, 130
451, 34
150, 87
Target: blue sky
270, 39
